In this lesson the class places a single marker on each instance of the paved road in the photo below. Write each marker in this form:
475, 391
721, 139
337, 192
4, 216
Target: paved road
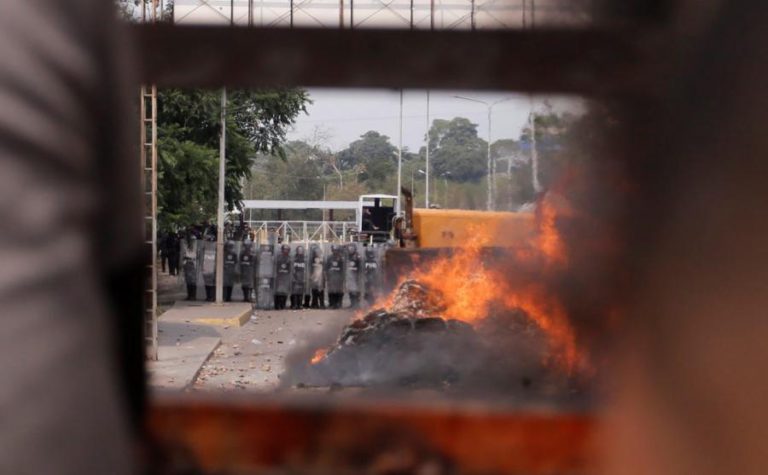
252, 357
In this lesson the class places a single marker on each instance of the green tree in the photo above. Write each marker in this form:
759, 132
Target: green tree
188, 145
298, 177
372, 156
456, 150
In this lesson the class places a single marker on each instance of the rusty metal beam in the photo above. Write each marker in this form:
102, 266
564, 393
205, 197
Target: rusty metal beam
577, 61
358, 438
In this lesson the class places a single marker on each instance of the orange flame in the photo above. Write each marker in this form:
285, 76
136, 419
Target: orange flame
472, 288
549, 241
319, 355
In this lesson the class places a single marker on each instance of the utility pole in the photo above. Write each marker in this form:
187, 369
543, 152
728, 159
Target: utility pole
431, 14
400, 154
491, 178
426, 193
491, 165
222, 172
532, 118
220, 214
534, 151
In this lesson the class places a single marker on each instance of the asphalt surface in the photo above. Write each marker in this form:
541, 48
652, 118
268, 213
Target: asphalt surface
253, 357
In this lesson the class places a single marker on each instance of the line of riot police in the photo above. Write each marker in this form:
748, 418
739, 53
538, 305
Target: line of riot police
284, 275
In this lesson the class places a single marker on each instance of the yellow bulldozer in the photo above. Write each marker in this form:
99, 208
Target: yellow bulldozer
421, 235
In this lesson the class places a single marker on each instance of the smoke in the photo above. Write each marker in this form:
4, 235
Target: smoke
500, 356
537, 335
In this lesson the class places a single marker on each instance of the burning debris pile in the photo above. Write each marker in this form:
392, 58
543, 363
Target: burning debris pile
414, 344
485, 317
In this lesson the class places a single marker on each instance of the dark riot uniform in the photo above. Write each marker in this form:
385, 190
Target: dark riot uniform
246, 270
371, 275
230, 268
172, 251
317, 278
352, 275
298, 278
209, 270
334, 277
189, 266
282, 276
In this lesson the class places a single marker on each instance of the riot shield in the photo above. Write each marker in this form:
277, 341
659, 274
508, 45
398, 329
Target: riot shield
190, 265
316, 277
283, 271
229, 269
334, 272
352, 270
247, 259
372, 274
189, 261
299, 271
209, 269
265, 277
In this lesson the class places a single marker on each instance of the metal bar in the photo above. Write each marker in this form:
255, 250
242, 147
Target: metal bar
431, 15
567, 61
275, 434
400, 156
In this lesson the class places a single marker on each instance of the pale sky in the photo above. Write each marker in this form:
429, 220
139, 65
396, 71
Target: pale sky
346, 114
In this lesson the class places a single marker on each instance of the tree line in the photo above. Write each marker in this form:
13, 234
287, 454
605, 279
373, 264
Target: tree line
458, 162
263, 164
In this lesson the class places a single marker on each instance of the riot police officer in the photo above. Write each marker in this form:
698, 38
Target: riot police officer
282, 276
246, 270
298, 278
266, 277
317, 278
334, 276
209, 268
352, 275
371, 275
189, 266
230, 267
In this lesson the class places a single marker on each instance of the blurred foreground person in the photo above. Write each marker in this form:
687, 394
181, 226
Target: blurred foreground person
70, 281
692, 392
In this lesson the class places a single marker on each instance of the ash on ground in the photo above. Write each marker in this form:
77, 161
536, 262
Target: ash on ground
410, 345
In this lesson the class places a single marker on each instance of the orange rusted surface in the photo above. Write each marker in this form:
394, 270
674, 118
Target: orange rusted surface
375, 437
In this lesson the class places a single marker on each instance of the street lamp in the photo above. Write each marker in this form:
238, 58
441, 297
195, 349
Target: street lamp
491, 166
